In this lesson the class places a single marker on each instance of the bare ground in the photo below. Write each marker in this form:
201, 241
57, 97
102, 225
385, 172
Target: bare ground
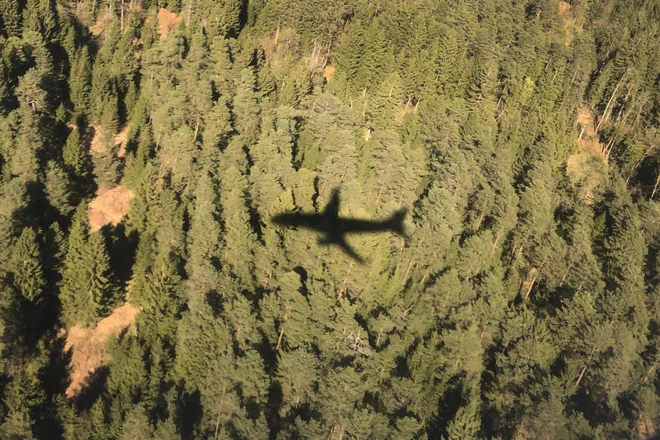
87, 345
120, 139
570, 28
167, 21
96, 134
588, 142
102, 24
109, 207
587, 169
98, 146
328, 73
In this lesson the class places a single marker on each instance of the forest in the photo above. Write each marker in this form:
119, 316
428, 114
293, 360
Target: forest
148, 146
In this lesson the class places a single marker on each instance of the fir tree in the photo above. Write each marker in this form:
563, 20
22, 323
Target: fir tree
26, 266
80, 81
58, 188
10, 12
88, 291
74, 154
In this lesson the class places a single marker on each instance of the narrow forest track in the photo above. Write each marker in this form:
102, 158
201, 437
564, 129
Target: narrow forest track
87, 345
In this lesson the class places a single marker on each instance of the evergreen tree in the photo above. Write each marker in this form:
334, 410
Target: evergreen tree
10, 12
26, 267
58, 189
87, 292
74, 154
80, 81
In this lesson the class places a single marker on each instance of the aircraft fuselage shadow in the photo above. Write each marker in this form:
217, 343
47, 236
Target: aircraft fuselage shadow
335, 228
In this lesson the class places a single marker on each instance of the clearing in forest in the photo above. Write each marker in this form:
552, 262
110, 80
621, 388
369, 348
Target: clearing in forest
328, 73
570, 27
96, 134
97, 145
588, 140
120, 139
102, 24
87, 345
167, 21
109, 207
587, 169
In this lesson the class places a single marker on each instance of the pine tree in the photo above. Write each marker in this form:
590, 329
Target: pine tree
24, 397
88, 291
109, 117
240, 240
160, 298
137, 426
40, 16
74, 154
127, 379
58, 188
246, 108
80, 81
10, 12
26, 266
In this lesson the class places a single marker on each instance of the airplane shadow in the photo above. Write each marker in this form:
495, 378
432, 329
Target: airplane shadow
335, 228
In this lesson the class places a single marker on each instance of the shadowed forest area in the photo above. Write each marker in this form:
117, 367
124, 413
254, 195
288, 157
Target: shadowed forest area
149, 290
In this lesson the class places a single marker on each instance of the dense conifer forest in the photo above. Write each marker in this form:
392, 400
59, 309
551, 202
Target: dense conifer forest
147, 293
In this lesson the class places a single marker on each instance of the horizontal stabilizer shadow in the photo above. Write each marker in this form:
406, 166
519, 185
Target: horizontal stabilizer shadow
335, 228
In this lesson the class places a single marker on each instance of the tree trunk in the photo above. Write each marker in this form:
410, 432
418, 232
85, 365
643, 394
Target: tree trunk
405, 277
584, 370
529, 289
607, 107
121, 15
196, 130
279, 340
655, 187
217, 426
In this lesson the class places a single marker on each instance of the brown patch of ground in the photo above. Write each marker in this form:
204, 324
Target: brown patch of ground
102, 24
587, 173
120, 139
328, 73
87, 345
587, 170
588, 140
96, 134
570, 28
645, 426
98, 145
109, 207
167, 21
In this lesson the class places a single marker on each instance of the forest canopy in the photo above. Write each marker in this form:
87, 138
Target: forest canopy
147, 293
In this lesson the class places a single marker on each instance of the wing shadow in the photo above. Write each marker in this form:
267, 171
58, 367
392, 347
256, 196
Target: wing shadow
335, 228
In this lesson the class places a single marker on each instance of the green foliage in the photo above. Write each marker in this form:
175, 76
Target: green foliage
74, 154
523, 302
80, 81
11, 18
88, 291
26, 266
58, 188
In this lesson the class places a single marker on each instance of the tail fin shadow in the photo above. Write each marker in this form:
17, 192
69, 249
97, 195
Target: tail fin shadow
395, 223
